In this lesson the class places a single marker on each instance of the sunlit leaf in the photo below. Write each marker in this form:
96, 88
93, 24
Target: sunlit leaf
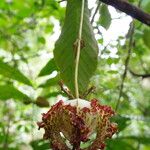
51, 82
9, 91
48, 68
13, 73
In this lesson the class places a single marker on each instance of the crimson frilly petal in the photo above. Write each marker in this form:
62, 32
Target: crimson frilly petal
67, 121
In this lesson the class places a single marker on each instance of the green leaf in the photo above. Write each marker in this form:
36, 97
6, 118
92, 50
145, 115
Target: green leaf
53, 94
51, 82
41, 40
146, 5
105, 17
140, 139
65, 53
13, 73
9, 91
23, 9
49, 28
48, 68
117, 144
146, 37
40, 145
122, 122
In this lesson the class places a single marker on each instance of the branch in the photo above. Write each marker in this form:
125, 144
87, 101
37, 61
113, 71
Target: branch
89, 91
65, 90
130, 10
126, 64
139, 75
96, 10
61, 1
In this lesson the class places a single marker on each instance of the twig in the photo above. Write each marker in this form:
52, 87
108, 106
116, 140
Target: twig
119, 17
61, 1
139, 75
98, 30
90, 90
126, 65
65, 90
130, 10
96, 10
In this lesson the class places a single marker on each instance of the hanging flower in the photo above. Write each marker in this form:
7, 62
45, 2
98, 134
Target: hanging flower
75, 121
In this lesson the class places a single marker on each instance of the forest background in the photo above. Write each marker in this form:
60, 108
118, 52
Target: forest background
29, 77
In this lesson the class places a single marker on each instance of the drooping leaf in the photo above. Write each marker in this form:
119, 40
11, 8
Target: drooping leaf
9, 91
105, 16
13, 73
65, 51
48, 68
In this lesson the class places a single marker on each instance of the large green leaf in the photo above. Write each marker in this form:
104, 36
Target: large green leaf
48, 68
105, 17
65, 53
9, 91
13, 73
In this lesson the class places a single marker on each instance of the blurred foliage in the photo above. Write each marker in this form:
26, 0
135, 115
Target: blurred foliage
29, 77
105, 18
